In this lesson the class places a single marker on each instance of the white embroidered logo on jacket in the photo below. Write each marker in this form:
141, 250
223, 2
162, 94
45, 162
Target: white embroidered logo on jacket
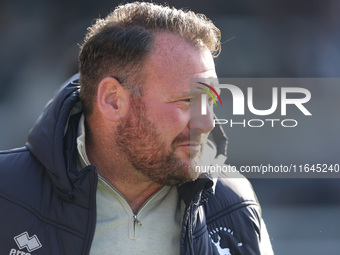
218, 233
221, 251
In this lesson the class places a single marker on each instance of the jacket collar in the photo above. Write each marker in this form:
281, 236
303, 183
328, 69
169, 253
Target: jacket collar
190, 191
46, 140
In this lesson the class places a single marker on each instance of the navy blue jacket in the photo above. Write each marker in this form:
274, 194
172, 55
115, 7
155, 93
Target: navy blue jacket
48, 207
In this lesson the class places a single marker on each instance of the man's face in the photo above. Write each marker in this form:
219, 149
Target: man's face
160, 136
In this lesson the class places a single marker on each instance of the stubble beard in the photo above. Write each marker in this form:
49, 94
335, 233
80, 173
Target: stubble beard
139, 141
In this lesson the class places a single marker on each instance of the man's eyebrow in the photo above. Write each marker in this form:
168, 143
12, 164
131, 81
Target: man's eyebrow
192, 93
185, 94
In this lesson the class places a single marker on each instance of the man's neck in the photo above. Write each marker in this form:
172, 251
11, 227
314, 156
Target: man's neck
136, 193
135, 187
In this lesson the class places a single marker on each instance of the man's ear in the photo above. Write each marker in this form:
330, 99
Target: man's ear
112, 99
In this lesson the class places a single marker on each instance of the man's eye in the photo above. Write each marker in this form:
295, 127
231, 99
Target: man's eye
211, 100
187, 100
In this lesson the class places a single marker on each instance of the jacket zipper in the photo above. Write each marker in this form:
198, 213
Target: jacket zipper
191, 210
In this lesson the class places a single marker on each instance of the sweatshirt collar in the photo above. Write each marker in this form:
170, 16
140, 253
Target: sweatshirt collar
83, 160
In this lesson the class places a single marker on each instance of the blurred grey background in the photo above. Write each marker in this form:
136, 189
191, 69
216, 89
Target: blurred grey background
277, 38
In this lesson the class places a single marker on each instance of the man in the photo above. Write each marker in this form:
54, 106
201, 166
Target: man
107, 167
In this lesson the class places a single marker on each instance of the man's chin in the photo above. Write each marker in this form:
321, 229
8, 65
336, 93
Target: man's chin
190, 165
187, 169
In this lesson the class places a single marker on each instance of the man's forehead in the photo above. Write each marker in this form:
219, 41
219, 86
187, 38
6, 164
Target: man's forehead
173, 62
171, 49
170, 44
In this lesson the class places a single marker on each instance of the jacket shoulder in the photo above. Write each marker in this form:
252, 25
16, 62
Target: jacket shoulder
231, 192
14, 162
20, 174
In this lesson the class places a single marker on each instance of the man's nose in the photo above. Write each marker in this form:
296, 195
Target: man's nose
202, 123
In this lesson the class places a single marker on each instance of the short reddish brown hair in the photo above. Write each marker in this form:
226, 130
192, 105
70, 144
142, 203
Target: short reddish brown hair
118, 45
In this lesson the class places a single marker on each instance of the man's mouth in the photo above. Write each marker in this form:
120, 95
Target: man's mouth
190, 147
189, 143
